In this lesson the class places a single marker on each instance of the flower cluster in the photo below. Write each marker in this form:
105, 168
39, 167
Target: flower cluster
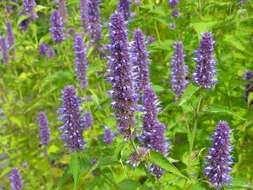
178, 70
93, 24
248, 76
80, 61
120, 69
83, 14
44, 129
108, 136
219, 160
71, 117
124, 8
173, 3
4, 49
88, 120
16, 180
10, 36
140, 61
46, 50
205, 69
57, 27
153, 136
29, 11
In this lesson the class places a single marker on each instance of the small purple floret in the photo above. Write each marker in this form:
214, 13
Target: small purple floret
16, 180
124, 8
10, 35
108, 136
44, 129
57, 27
4, 49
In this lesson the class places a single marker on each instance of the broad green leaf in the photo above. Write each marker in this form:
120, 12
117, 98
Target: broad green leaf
189, 92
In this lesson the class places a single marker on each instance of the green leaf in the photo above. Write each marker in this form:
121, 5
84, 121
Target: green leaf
189, 92
158, 159
250, 98
128, 185
75, 168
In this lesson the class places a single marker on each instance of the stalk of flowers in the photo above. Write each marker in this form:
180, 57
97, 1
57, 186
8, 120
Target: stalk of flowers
248, 76
93, 21
124, 8
219, 160
63, 10
57, 27
120, 71
178, 70
70, 115
81, 63
16, 180
29, 11
140, 61
88, 120
46, 50
153, 135
4, 49
205, 69
44, 129
83, 14
108, 136
10, 36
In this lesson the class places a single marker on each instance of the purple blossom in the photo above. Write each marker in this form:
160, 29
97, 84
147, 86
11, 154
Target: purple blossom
4, 49
71, 117
140, 60
44, 129
93, 24
248, 75
46, 50
219, 161
108, 136
80, 61
124, 8
29, 8
10, 35
173, 3
57, 27
83, 14
24, 24
120, 69
178, 70
16, 180
153, 136
137, 156
88, 120
205, 68
175, 13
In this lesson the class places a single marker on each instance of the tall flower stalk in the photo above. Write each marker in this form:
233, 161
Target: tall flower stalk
83, 14
57, 27
4, 49
16, 180
73, 126
205, 69
44, 129
219, 160
81, 63
140, 60
120, 69
153, 136
124, 8
178, 70
10, 35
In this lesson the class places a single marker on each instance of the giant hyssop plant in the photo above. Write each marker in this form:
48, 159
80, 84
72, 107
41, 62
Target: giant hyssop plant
126, 95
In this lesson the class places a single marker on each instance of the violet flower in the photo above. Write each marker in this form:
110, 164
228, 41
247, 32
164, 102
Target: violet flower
248, 76
57, 27
10, 35
4, 49
108, 136
120, 69
16, 180
140, 60
153, 136
219, 160
173, 3
205, 68
88, 120
83, 14
44, 129
73, 126
124, 8
29, 8
46, 50
93, 24
81, 63
178, 70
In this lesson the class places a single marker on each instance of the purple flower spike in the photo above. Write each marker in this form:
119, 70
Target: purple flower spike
10, 35
219, 161
83, 14
16, 180
44, 129
173, 3
80, 61
124, 8
88, 120
153, 136
120, 69
29, 8
108, 136
4, 49
71, 117
57, 27
46, 50
178, 70
205, 68
93, 24
140, 60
